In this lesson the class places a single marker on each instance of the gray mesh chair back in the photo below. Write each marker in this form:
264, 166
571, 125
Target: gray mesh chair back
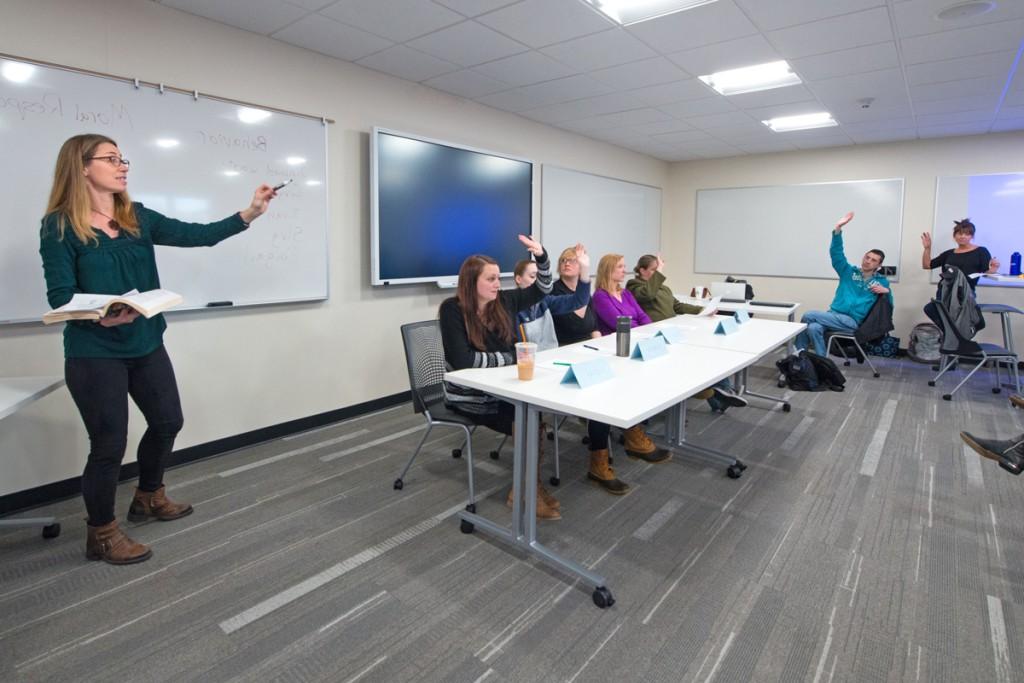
955, 346
424, 360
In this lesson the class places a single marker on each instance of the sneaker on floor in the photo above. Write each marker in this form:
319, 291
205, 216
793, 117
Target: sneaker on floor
728, 397
1017, 401
1009, 453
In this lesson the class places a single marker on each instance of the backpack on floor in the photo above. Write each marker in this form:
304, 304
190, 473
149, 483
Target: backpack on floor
799, 373
924, 343
887, 347
829, 375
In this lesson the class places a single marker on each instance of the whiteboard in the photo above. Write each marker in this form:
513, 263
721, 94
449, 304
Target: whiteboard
784, 230
211, 173
609, 216
994, 203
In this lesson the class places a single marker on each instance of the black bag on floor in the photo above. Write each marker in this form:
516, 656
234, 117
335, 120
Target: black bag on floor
808, 371
829, 374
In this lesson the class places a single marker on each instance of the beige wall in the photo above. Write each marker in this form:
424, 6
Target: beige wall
918, 162
246, 369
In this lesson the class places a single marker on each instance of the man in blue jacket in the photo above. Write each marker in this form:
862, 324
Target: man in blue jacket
855, 295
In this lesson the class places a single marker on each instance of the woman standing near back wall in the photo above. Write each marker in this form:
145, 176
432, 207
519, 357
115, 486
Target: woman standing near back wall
94, 240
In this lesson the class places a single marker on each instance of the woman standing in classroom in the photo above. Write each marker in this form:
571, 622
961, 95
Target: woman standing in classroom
94, 240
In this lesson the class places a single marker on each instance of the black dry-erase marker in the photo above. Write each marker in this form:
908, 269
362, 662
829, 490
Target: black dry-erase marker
278, 187
214, 304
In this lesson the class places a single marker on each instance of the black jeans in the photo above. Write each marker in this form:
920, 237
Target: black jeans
100, 388
501, 422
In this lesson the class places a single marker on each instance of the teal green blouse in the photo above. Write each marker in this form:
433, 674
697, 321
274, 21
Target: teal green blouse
115, 266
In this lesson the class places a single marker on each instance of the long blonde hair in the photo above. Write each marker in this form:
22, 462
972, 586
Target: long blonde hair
604, 273
69, 196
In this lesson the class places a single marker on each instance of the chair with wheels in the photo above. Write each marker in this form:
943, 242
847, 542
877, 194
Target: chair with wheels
851, 337
956, 347
424, 359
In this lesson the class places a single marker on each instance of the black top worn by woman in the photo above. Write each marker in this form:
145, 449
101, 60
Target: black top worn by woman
569, 327
969, 263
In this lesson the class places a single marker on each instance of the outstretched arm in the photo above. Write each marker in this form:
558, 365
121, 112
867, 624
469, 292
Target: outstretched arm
839, 263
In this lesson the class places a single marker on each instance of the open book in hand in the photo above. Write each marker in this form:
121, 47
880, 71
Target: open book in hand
96, 306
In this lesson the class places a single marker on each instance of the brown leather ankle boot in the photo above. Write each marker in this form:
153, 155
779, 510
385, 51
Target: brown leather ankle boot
603, 475
156, 505
110, 544
639, 445
544, 511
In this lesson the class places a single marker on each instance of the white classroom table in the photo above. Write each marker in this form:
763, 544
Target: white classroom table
787, 310
15, 394
638, 391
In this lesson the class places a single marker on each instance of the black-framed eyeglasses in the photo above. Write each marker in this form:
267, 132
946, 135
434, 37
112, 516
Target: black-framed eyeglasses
112, 160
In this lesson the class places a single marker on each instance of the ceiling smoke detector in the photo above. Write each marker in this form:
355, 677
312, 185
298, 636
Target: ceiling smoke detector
965, 10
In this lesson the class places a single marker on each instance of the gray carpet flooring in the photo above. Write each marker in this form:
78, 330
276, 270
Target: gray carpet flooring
864, 543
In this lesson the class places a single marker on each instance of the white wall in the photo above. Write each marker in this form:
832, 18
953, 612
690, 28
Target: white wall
919, 162
247, 369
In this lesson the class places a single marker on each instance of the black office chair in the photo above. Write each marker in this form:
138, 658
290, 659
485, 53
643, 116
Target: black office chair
851, 337
955, 346
424, 359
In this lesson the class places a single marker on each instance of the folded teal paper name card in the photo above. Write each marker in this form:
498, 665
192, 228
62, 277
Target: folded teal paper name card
588, 373
646, 349
671, 335
741, 317
727, 326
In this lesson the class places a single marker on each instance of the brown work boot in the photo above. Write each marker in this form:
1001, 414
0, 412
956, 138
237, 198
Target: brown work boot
110, 544
639, 445
544, 510
156, 505
603, 475
1017, 401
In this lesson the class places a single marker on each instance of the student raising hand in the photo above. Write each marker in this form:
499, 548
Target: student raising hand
532, 245
844, 220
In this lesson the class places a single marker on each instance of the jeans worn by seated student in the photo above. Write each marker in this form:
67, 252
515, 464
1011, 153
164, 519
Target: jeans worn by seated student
853, 300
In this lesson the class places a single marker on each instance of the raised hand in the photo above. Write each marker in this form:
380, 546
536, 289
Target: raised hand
844, 220
532, 245
582, 257
993, 266
661, 262
926, 240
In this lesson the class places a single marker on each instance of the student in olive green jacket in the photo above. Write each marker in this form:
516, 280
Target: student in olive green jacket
658, 302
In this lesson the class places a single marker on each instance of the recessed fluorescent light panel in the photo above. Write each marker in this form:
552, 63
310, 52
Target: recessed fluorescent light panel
782, 124
628, 12
752, 78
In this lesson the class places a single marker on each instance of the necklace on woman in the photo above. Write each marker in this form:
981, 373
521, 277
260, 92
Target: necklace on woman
112, 224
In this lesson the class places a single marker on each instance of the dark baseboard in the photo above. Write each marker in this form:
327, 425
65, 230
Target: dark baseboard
68, 488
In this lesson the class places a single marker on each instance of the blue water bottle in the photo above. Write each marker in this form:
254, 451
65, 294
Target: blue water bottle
1015, 263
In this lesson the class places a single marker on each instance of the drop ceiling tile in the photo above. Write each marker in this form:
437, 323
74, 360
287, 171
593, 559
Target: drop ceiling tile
583, 108
666, 93
977, 66
332, 38
983, 116
599, 50
539, 23
397, 20
654, 71
878, 136
829, 35
855, 60
887, 124
732, 119
963, 42
1014, 98
853, 113
311, 5
542, 94
685, 136
661, 127
1016, 112
767, 98
514, 100
704, 25
918, 17
731, 54
472, 8
258, 16
1005, 125
887, 87
765, 147
823, 142
702, 107
711, 148
956, 104
467, 44
407, 63
634, 117
525, 69
466, 83
971, 87
952, 129
789, 109
780, 14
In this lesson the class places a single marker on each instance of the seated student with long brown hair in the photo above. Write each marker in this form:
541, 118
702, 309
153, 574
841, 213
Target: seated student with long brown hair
477, 332
654, 296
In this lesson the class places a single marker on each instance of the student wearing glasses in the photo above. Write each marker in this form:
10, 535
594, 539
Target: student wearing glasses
95, 240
